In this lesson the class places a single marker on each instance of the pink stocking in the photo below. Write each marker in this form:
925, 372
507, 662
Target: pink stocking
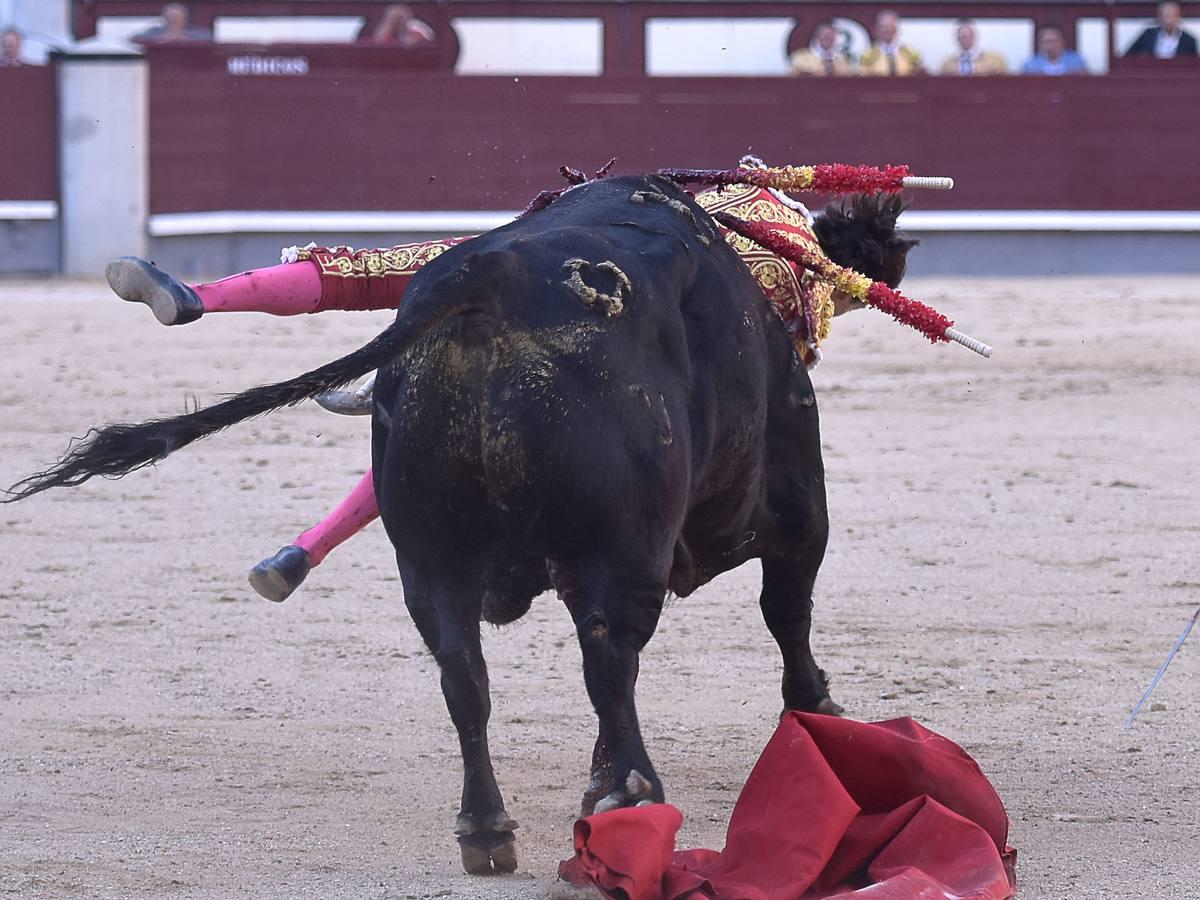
352, 515
325, 278
285, 290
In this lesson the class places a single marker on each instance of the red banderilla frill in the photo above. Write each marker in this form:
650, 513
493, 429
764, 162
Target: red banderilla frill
905, 310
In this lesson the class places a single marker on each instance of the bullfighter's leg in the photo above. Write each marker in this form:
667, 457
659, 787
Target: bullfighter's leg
786, 604
446, 611
276, 577
284, 290
310, 281
615, 611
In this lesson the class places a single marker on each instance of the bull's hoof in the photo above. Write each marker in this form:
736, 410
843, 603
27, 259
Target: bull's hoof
823, 707
828, 708
504, 858
489, 853
277, 576
487, 843
592, 797
140, 281
637, 791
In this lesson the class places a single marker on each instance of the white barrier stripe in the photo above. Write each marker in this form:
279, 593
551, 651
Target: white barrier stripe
306, 224
1049, 220
28, 210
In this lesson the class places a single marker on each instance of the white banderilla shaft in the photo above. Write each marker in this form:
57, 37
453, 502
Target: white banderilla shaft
953, 334
367, 387
928, 182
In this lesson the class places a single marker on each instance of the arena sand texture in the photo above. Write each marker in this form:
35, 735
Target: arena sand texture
1014, 550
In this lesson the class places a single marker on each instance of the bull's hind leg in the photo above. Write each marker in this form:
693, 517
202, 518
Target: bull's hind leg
615, 614
786, 604
446, 613
600, 781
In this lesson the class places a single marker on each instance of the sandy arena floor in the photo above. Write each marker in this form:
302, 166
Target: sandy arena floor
1014, 551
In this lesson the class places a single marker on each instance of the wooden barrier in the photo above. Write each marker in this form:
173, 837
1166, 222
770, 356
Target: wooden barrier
29, 149
349, 133
624, 23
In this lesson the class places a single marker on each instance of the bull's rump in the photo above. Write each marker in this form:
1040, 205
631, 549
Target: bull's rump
542, 420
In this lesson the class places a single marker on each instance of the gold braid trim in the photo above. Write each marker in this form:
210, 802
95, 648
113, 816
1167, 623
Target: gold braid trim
402, 260
776, 277
823, 296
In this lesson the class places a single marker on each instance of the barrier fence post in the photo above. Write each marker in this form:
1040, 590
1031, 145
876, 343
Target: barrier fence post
103, 162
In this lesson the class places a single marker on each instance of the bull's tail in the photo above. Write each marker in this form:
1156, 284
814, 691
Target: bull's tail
117, 450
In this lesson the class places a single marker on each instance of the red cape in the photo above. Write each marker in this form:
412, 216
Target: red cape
832, 806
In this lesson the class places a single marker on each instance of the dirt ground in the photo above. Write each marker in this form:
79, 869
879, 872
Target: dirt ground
1014, 551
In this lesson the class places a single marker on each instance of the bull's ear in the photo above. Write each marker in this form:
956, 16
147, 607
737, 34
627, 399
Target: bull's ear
895, 262
870, 256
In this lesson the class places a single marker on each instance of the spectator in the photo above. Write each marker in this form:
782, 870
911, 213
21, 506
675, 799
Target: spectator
10, 48
176, 27
400, 27
970, 59
887, 55
1053, 57
1167, 39
822, 57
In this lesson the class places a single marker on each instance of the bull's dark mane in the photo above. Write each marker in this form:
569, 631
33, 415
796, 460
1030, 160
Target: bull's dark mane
860, 234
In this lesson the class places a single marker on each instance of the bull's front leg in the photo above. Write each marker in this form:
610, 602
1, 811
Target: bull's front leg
614, 618
786, 604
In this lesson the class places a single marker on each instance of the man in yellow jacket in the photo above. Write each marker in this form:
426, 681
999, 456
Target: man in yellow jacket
887, 55
822, 57
970, 59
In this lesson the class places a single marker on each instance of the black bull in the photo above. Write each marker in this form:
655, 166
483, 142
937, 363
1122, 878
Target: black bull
596, 398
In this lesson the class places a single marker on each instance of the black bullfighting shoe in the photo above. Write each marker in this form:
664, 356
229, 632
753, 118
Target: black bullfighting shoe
277, 576
140, 281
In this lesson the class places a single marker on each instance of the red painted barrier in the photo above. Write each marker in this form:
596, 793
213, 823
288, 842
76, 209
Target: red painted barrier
352, 132
29, 148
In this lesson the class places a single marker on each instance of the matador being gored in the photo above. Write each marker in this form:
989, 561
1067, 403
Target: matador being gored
856, 237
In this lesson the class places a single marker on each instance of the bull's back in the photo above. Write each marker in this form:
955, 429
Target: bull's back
610, 377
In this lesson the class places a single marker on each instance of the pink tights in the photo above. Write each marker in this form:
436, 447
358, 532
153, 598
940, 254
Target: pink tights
286, 290
289, 290
351, 516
